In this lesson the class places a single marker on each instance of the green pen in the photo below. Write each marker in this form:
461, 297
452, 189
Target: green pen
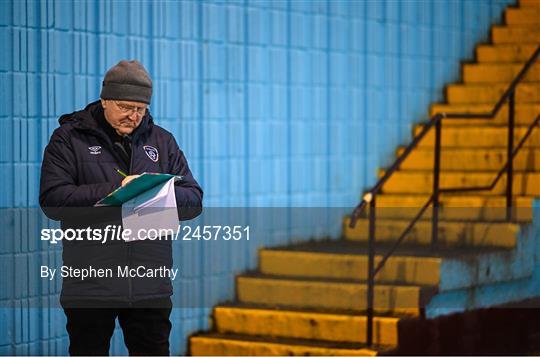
120, 172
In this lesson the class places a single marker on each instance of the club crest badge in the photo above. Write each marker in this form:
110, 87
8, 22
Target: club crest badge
94, 150
151, 152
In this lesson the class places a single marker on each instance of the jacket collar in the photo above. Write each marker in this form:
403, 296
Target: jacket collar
85, 120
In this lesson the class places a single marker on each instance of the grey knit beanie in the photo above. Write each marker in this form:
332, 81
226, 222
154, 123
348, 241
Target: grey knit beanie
128, 80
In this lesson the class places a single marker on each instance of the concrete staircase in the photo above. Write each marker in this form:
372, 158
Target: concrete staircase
310, 298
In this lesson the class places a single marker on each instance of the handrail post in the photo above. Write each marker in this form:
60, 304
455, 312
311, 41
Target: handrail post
371, 269
436, 186
510, 166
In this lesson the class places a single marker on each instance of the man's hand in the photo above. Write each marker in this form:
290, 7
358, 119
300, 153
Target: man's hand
126, 180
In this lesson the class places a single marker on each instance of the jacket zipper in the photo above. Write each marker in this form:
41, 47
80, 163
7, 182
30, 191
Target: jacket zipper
130, 284
113, 152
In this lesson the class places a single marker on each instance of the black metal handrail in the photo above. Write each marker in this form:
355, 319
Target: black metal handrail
436, 120
501, 172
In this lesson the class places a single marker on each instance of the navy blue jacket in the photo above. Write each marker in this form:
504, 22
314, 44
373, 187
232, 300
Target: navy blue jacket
78, 170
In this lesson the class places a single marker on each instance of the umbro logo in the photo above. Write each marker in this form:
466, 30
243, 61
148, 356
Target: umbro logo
94, 150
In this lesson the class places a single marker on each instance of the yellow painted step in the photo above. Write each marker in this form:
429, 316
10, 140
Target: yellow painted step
498, 73
216, 345
490, 93
330, 294
522, 16
485, 159
450, 233
529, 3
479, 137
304, 325
421, 182
454, 207
405, 269
451, 200
511, 34
524, 113
505, 53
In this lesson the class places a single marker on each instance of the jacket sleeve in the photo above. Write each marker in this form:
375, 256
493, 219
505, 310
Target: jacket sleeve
59, 191
188, 193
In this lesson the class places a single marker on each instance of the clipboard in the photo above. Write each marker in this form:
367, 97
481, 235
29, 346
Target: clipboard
135, 187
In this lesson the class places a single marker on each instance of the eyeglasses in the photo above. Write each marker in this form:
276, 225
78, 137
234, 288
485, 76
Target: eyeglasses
124, 108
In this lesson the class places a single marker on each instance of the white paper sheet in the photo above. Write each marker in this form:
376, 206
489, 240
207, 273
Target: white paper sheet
153, 209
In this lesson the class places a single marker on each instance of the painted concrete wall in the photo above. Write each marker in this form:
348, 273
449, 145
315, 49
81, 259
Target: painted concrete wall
275, 103
492, 279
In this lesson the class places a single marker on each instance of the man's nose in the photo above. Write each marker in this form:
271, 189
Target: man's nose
134, 115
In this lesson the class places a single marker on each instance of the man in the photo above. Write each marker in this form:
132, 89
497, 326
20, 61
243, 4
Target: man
81, 165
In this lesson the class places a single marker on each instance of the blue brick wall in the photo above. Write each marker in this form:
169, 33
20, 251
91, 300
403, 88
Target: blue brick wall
275, 103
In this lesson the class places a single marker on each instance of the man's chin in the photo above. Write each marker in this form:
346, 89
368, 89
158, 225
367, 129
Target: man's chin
124, 131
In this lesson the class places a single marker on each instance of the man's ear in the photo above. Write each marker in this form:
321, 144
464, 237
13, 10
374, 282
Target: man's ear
103, 103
